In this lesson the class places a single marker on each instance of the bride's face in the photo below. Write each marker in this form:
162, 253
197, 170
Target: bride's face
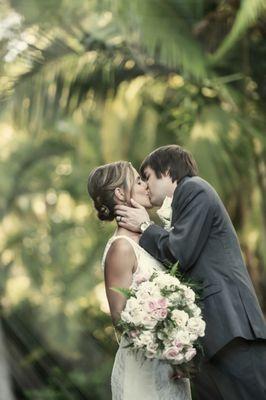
140, 191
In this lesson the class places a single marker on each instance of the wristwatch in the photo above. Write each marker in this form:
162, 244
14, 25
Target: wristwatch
144, 225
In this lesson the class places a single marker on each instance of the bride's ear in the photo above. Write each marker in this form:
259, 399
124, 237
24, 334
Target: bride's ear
120, 194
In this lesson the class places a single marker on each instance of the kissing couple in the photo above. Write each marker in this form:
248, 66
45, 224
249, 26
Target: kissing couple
204, 242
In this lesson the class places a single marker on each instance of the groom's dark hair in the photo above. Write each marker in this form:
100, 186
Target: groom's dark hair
173, 159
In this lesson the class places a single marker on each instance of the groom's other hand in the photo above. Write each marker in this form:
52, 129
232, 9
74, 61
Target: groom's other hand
131, 217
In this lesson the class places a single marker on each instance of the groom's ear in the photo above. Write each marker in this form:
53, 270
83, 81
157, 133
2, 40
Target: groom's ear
167, 173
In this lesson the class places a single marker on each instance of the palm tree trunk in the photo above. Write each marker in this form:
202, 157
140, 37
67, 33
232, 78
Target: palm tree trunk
5, 384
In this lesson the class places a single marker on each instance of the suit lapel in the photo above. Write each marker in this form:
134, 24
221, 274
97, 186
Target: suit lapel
175, 202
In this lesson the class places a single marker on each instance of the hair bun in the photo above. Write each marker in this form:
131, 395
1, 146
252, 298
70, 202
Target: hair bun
105, 210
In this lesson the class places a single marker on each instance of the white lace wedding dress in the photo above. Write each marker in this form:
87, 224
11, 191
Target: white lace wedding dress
136, 378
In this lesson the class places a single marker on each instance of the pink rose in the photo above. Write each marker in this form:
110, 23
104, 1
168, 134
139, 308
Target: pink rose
139, 278
157, 304
190, 353
160, 313
152, 305
171, 353
177, 344
134, 333
162, 302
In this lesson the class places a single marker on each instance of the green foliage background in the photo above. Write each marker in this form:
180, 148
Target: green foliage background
89, 82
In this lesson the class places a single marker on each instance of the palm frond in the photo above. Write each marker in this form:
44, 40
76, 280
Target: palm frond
155, 29
247, 15
60, 70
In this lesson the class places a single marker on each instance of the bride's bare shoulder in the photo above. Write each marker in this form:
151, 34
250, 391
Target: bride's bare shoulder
120, 254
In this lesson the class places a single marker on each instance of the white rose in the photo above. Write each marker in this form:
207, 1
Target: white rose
150, 288
179, 358
183, 337
196, 325
175, 297
165, 212
143, 296
189, 295
140, 316
137, 316
125, 316
152, 346
166, 280
149, 323
180, 317
131, 304
193, 337
196, 311
145, 338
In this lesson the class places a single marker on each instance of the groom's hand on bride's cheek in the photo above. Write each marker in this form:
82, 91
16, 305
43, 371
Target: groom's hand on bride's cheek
131, 217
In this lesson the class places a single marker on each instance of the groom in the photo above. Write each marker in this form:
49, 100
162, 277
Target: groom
205, 243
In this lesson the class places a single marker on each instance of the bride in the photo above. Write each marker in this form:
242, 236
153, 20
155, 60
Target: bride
133, 377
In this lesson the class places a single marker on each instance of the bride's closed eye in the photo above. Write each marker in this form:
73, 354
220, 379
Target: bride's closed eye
139, 181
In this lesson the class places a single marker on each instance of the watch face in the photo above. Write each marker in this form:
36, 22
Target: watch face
143, 226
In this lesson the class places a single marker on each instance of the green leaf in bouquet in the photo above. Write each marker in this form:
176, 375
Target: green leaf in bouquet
160, 345
169, 323
161, 335
195, 286
122, 325
199, 348
125, 292
160, 332
174, 269
168, 290
154, 275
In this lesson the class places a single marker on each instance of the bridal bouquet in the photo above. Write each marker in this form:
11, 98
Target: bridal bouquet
161, 317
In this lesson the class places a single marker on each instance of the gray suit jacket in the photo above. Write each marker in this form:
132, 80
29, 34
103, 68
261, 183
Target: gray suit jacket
205, 243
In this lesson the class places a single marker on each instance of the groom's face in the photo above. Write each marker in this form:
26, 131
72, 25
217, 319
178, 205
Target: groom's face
158, 188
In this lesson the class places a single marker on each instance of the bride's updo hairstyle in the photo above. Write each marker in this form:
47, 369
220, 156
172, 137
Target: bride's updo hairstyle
103, 181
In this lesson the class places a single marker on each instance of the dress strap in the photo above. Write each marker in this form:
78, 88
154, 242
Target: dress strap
112, 239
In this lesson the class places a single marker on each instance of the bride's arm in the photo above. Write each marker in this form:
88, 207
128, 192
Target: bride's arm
120, 264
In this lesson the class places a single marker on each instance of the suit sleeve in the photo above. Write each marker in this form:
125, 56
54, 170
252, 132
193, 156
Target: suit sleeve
191, 229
